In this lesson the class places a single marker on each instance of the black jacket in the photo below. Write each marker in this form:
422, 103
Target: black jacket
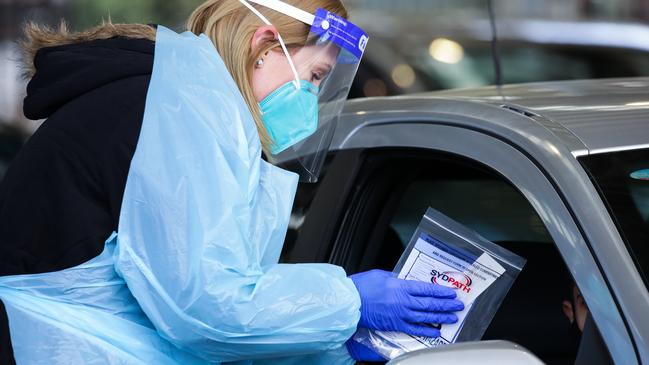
61, 196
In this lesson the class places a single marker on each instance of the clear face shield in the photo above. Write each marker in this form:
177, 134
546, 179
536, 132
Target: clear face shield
301, 115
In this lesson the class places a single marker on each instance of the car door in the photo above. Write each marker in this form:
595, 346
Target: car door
372, 198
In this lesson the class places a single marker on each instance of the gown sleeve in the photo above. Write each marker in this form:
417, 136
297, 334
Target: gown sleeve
203, 221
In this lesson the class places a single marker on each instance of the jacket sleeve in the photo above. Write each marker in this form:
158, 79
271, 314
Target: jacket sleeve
203, 220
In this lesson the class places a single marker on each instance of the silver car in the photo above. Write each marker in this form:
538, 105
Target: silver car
557, 172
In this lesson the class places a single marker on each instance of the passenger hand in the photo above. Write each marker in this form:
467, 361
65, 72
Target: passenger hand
392, 304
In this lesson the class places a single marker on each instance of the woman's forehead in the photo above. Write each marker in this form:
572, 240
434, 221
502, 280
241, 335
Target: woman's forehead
317, 55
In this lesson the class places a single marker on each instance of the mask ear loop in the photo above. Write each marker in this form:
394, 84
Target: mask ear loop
281, 41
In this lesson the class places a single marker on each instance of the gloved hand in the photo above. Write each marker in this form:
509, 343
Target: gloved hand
392, 304
361, 352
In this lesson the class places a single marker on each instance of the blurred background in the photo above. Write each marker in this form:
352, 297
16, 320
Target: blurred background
415, 45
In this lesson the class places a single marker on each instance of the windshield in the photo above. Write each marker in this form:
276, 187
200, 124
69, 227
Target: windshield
623, 181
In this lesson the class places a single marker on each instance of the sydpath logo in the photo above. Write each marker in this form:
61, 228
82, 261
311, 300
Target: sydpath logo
452, 279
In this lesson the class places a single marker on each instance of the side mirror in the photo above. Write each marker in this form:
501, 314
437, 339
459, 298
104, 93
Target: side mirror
470, 353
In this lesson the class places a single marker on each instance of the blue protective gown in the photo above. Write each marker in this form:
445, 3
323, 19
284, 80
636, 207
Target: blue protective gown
191, 276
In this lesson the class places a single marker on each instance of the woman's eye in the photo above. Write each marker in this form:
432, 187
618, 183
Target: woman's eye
316, 76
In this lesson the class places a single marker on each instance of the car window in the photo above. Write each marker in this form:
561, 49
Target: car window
623, 182
394, 193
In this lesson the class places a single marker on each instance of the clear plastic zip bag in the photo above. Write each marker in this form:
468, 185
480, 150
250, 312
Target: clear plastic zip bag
447, 253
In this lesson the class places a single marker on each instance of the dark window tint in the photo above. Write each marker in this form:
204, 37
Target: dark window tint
623, 182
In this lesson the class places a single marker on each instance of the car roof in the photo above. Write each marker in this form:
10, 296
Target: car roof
604, 115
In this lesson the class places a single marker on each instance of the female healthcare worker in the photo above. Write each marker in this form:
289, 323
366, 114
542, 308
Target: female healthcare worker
140, 223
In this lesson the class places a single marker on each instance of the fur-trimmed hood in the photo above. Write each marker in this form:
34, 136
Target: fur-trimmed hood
64, 65
38, 36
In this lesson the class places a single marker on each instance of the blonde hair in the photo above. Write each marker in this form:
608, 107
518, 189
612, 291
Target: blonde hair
230, 25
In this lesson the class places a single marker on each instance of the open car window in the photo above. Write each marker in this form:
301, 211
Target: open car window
393, 192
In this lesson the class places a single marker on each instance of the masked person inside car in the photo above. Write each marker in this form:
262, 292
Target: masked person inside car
142, 223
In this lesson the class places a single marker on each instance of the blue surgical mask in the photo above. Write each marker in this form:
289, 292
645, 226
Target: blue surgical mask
290, 114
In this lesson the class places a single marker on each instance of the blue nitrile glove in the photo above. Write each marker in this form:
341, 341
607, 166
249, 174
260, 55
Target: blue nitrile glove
360, 352
392, 304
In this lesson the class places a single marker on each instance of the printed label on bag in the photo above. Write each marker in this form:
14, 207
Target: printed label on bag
434, 261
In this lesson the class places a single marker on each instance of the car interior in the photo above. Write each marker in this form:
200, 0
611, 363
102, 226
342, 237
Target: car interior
393, 191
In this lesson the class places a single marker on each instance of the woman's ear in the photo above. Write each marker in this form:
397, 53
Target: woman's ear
263, 35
